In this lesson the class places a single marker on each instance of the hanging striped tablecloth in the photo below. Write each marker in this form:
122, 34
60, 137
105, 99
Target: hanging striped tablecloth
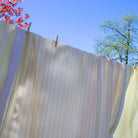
61, 92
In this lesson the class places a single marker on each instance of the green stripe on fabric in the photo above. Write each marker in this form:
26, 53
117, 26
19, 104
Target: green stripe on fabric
2, 25
7, 58
5, 32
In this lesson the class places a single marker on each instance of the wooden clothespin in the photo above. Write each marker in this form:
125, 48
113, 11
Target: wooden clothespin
108, 56
56, 41
134, 65
29, 27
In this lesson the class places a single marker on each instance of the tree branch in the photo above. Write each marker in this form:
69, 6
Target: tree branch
116, 31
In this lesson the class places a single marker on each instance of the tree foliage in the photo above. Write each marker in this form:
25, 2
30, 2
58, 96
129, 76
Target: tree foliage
11, 13
121, 40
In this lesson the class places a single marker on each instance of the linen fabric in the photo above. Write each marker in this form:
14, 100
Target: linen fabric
62, 92
11, 44
128, 124
7, 35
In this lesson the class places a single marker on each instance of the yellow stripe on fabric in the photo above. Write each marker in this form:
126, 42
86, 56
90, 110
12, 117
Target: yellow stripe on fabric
45, 98
2, 28
4, 51
36, 67
98, 95
82, 93
38, 107
90, 129
86, 100
37, 94
12, 107
32, 90
7, 56
56, 91
105, 104
36, 84
2, 25
69, 91
68, 96
50, 70
68, 103
114, 93
55, 94
109, 95
76, 95
62, 92
27, 73
39, 90
51, 88
107, 99
116, 79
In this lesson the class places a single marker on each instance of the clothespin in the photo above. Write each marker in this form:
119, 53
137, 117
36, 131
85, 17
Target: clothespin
56, 41
29, 27
134, 65
108, 56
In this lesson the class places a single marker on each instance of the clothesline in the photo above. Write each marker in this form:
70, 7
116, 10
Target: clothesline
56, 41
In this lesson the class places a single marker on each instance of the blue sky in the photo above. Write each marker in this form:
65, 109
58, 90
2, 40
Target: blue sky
75, 21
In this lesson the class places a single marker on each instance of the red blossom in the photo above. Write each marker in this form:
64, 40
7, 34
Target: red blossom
26, 23
27, 16
10, 8
20, 20
14, 4
15, 1
7, 18
15, 12
11, 21
2, 12
19, 11
23, 26
10, 12
2, 4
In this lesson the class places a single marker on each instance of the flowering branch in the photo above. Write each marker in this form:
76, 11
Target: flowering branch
11, 14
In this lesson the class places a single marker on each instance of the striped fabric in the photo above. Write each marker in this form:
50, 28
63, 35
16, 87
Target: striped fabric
63, 92
11, 44
128, 124
7, 35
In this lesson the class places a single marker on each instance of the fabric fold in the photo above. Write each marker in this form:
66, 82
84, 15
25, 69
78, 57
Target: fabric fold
128, 123
11, 45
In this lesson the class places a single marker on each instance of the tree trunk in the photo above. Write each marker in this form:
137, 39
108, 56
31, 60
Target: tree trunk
128, 42
127, 55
